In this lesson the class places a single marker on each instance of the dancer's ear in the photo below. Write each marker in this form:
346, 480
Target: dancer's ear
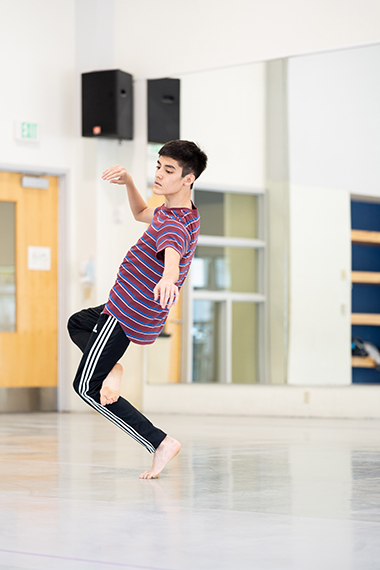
189, 179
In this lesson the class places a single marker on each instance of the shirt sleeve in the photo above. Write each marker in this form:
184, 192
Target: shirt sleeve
172, 234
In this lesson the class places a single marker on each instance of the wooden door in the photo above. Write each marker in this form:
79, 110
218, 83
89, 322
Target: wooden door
28, 352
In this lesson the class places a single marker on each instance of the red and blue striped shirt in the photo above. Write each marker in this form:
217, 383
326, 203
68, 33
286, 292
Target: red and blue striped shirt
131, 300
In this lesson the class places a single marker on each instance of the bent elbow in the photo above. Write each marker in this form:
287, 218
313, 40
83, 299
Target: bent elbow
140, 217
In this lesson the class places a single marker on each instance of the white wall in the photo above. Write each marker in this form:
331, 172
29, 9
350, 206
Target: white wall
224, 111
334, 120
37, 70
334, 149
175, 36
320, 287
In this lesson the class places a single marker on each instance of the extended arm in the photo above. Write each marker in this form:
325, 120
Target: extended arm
166, 289
140, 210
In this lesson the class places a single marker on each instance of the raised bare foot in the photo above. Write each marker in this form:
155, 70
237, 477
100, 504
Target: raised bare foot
110, 390
167, 449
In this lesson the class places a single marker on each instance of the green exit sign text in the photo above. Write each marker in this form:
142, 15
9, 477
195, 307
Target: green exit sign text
26, 131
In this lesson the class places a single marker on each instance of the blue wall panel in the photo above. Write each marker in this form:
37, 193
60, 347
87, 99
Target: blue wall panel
370, 334
366, 298
365, 376
365, 216
365, 258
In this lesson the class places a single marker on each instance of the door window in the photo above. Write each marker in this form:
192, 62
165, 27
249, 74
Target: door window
7, 267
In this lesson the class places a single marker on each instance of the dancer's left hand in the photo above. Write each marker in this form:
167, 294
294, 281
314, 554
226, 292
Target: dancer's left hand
167, 291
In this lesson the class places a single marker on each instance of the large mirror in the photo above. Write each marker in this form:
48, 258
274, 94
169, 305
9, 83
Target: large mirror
292, 144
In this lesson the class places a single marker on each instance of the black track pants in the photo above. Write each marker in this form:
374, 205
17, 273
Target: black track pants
103, 343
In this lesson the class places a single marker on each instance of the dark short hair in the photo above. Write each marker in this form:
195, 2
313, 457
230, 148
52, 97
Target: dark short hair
188, 155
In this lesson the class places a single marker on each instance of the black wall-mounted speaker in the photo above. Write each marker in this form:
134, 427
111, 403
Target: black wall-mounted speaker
107, 104
163, 110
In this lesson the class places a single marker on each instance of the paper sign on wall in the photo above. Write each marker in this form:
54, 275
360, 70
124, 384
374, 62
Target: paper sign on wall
39, 258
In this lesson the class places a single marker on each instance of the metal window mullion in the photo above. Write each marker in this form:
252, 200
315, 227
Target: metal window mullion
221, 189
228, 295
264, 372
261, 344
222, 241
187, 340
228, 337
221, 372
189, 364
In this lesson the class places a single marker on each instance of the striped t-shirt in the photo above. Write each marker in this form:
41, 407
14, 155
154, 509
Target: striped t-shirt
131, 300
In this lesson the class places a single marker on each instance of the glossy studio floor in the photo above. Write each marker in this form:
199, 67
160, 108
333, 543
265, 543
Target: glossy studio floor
244, 493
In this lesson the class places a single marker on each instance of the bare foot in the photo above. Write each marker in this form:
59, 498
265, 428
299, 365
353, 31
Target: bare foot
110, 390
167, 449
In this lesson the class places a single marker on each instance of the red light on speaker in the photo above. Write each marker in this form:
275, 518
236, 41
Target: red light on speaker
96, 130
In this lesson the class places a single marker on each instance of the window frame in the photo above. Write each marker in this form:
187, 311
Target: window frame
228, 297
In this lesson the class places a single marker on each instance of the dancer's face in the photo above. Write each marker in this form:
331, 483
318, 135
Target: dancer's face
168, 179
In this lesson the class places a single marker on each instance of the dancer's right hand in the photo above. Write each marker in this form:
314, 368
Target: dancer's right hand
116, 175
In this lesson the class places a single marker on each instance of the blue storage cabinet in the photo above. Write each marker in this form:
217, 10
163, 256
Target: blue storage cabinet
365, 216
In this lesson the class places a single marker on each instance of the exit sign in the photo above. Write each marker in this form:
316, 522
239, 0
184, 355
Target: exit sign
26, 131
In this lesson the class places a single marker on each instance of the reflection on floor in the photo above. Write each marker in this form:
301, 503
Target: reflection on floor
244, 493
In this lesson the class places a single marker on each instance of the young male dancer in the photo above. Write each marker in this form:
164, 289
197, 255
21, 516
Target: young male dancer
147, 285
